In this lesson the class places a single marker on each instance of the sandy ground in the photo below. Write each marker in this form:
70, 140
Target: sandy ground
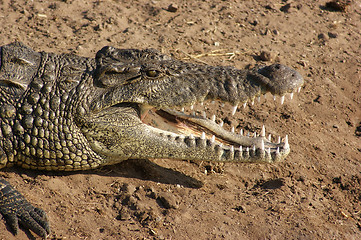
314, 194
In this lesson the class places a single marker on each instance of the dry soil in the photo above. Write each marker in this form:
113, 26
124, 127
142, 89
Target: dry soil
314, 194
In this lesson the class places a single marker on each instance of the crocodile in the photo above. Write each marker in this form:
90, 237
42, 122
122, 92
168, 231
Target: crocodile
64, 112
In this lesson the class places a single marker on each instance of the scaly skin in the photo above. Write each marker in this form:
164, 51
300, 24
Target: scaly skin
64, 112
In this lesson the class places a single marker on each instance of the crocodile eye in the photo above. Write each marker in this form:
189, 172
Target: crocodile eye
152, 73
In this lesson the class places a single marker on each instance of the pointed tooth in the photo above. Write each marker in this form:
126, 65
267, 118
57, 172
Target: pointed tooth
279, 140
203, 136
262, 145
221, 145
192, 106
232, 130
247, 149
263, 131
278, 151
254, 134
286, 146
274, 97
282, 99
291, 95
232, 148
269, 137
259, 99
213, 138
245, 105
182, 109
241, 132
191, 136
221, 123
204, 115
252, 102
240, 148
269, 150
202, 103
234, 109
299, 90
213, 118
254, 147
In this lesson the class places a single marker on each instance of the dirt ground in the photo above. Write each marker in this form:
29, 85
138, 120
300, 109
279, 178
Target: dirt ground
314, 194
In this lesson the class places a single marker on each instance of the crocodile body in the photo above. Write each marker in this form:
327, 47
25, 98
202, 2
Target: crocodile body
65, 112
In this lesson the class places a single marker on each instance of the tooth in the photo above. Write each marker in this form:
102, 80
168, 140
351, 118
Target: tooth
222, 105
299, 90
201, 103
247, 149
232, 130
234, 109
244, 105
182, 109
269, 150
241, 132
254, 134
274, 97
259, 99
192, 106
291, 95
286, 146
254, 147
213, 139
279, 140
191, 136
193, 113
232, 148
252, 102
203, 136
263, 132
278, 150
204, 115
262, 145
213, 118
240, 148
221, 123
269, 137
221, 145
282, 99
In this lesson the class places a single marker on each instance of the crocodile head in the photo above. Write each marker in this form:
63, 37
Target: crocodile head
138, 108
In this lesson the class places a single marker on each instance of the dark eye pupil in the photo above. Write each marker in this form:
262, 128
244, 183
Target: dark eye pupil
152, 73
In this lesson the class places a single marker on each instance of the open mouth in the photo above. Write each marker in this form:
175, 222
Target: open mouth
192, 123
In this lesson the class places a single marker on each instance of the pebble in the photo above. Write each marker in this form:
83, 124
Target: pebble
332, 35
172, 8
286, 8
266, 56
168, 200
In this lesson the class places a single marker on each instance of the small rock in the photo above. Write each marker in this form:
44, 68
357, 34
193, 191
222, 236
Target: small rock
172, 7
254, 22
275, 32
266, 56
123, 215
322, 36
338, 5
286, 8
332, 35
168, 200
